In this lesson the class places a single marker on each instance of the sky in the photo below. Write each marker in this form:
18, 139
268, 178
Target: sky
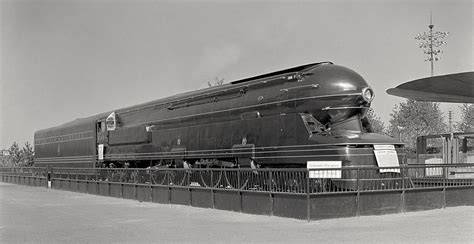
62, 60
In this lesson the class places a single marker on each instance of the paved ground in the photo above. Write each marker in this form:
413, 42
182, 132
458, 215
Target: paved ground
39, 215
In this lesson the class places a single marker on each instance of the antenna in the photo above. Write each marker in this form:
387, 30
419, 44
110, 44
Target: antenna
431, 22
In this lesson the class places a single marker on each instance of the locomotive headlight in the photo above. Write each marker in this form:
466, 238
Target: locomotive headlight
368, 94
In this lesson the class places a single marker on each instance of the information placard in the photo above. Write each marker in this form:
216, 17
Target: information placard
434, 171
326, 169
100, 151
384, 147
386, 156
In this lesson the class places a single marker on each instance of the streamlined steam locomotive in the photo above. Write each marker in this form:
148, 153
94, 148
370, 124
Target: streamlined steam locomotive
310, 113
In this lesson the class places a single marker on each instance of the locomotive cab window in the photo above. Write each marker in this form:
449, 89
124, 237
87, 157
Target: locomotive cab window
101, 126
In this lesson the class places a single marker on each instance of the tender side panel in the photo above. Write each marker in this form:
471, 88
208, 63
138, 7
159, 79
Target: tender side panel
131, 135
66, 146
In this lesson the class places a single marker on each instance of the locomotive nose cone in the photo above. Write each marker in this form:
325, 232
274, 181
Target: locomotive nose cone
335, 79
344, 85
346, 94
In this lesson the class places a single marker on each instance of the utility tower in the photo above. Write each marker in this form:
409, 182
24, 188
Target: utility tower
431, 42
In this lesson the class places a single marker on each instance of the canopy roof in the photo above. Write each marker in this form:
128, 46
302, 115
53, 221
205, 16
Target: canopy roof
452, 88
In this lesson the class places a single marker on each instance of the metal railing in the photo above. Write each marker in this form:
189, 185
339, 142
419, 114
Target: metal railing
313, 181
26, 171
442, 175
296, 193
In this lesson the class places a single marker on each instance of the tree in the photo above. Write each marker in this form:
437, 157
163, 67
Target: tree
16, 157
467, 118
216, 82
14, 154
27, 155
411, 119
376, 123
4, 158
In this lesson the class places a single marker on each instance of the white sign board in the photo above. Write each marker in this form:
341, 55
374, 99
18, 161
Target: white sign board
470, 159
384, 147
328, 169
386, 156
100, 151
434, 171
461, 173
111, 121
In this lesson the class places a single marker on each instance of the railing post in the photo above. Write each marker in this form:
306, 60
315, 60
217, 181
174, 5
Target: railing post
212, 189
308, 207
109, 179
358, 193
238, 178
150, 198
238, 192
121, 182
50, 177
271, 192
135, 179
402, 195
97, 186
190, 198
46, 172
270, 180
212, 178
87, 182
168, 174
445, 178
77, 180
188, 173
